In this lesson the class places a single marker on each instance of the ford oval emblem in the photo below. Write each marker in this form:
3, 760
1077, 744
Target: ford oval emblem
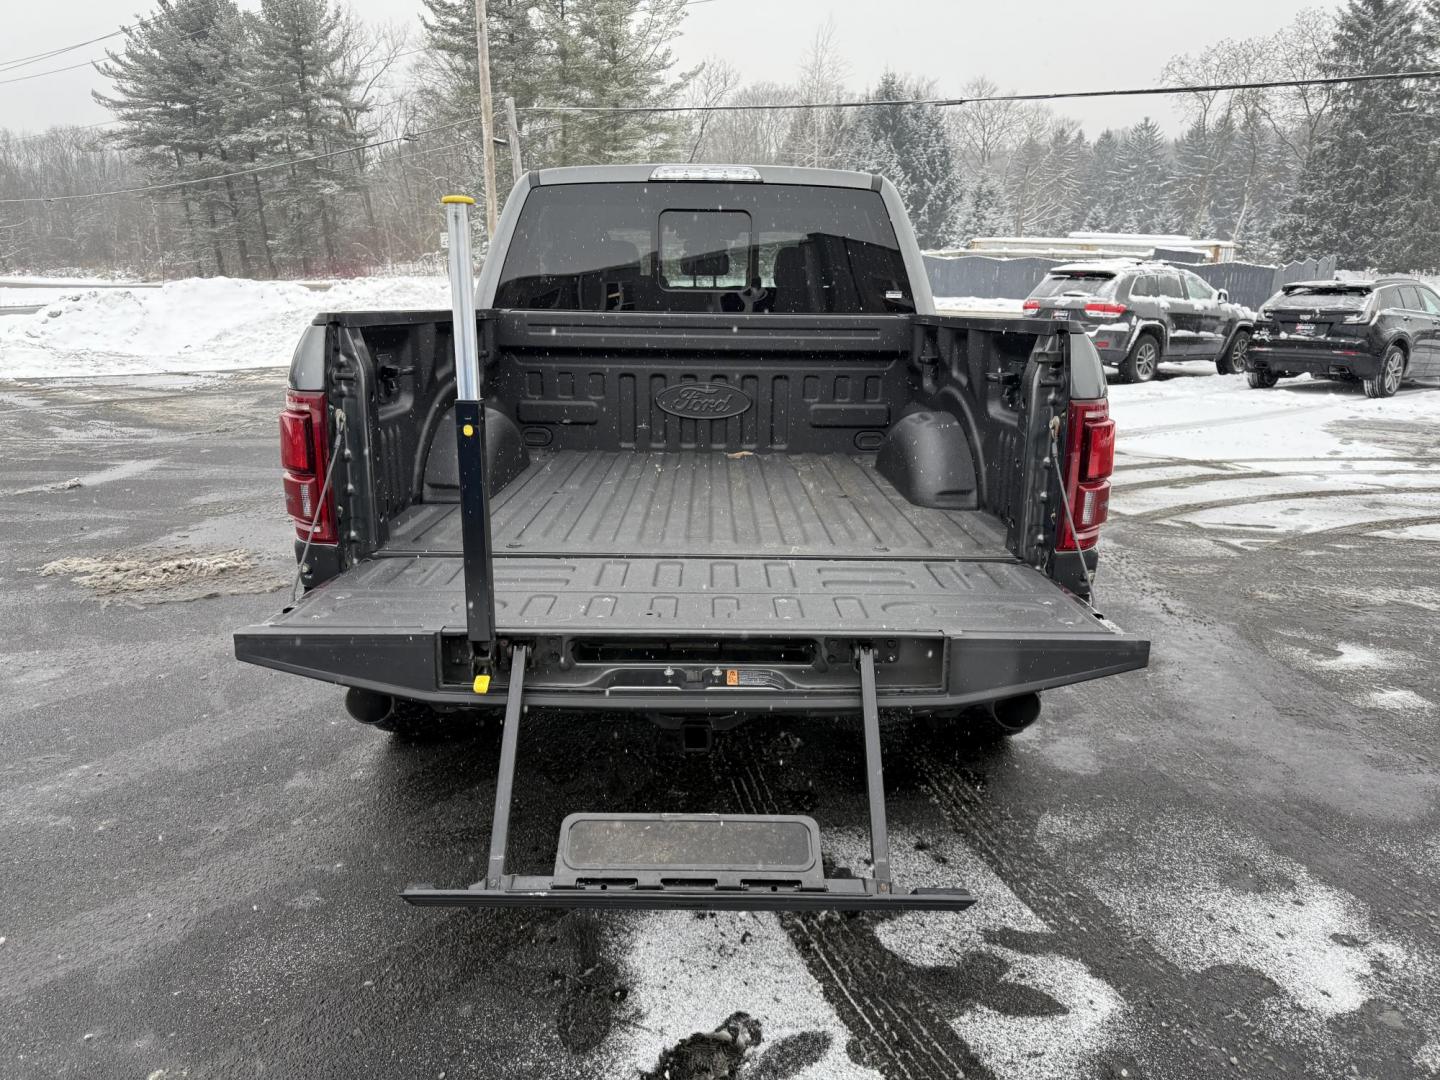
703, 401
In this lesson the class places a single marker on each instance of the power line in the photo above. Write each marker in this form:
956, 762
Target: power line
247, 87
145, 188
51, 71
1209, 87
139, 25
102, 59
953, 101
34, 58
725, 108
1273, 84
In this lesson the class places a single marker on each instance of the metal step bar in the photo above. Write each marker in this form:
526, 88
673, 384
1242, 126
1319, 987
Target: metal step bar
706, 861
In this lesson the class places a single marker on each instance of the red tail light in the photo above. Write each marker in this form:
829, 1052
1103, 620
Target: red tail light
1032, 305
1089, 461
297, 442
1103, 309
305, 455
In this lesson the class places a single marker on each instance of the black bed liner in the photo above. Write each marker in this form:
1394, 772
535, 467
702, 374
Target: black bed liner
694, 595
953, 632
818, 506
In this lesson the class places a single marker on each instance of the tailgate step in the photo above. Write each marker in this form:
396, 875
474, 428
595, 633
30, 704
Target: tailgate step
707, 861
731, 851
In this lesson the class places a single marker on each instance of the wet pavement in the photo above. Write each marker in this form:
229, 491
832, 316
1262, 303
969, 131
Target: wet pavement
1225, 865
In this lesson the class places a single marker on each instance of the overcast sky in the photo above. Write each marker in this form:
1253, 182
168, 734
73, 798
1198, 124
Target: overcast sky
1043, 45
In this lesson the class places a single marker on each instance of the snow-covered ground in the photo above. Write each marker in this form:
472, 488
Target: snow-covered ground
197, 324
979, 305
1249, 467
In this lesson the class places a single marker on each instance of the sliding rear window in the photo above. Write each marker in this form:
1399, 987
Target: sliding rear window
705, 247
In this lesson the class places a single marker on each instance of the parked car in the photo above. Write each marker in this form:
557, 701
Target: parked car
1377, 332
730, 463
1139, 313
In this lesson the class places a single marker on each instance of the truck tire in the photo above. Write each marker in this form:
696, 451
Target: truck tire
1387, 380
1143, 360
412, 720
1261, 378
1232, 361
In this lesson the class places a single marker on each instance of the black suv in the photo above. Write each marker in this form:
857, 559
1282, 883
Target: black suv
1138, 313
1378, 332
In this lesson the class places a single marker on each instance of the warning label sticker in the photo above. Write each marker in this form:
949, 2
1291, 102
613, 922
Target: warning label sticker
753, 677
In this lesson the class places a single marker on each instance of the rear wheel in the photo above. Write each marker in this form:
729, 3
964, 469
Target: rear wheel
1261, 378
1143, 362
1233, 362
411, 720
1387, 380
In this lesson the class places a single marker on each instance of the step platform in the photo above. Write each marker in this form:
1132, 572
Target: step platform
706, 861
711, 861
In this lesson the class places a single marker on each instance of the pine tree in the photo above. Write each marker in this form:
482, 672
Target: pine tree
1043, 180
176, 84
627, 62
1359, 195
1102, 205
1143, 167
910, 145
1195, 188
983, 212
450, 85
307, 99
1430, 30
1425, 200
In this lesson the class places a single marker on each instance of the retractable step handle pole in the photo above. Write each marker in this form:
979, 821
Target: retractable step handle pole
470, 436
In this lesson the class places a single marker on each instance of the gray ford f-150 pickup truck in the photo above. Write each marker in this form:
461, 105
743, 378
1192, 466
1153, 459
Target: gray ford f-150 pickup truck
727, 460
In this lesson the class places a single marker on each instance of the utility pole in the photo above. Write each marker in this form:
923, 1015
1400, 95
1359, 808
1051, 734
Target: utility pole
487, 116
512, 136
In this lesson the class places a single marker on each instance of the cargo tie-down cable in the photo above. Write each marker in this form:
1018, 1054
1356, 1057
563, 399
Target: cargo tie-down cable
295, 589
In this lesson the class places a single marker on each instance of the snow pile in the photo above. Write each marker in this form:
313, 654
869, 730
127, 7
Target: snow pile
198, 324
979, 305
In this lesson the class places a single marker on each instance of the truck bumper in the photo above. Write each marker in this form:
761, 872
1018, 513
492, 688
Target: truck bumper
1300, 360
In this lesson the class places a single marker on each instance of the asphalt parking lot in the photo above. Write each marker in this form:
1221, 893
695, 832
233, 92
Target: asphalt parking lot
1225, 865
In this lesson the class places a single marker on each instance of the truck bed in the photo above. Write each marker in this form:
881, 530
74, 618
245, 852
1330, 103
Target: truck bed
707, 504
677, 546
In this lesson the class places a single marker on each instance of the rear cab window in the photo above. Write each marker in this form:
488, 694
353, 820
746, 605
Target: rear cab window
705, 247
1076, 283
1409, 298
1169, 286
1323, 297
